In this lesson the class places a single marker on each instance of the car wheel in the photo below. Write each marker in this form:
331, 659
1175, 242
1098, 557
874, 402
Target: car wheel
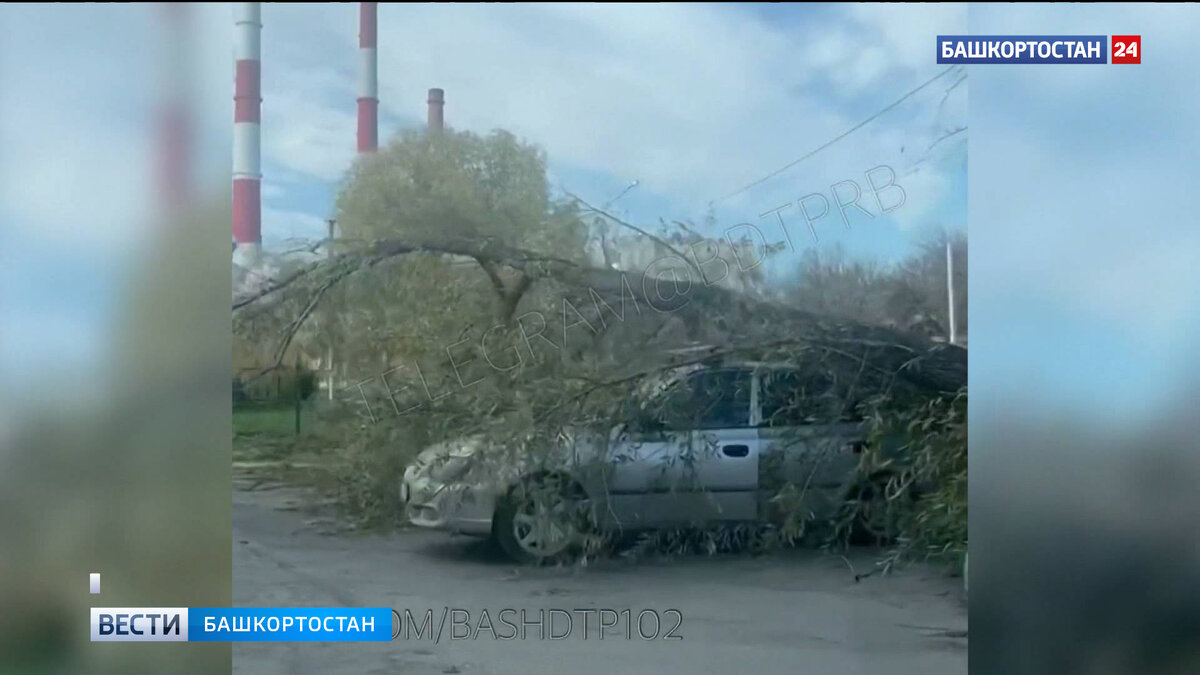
875, 516
539, 520
873, 512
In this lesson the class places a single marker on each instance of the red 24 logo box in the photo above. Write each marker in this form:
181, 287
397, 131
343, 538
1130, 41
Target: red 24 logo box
1127, 49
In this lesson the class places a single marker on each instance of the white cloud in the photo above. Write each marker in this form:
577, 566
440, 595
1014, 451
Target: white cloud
691, 99
906, 32
301, 130
272, 190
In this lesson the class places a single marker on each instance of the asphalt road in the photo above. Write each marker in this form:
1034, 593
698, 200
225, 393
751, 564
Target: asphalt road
794, 613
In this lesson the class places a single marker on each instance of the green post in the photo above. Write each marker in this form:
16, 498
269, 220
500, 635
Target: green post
296, 388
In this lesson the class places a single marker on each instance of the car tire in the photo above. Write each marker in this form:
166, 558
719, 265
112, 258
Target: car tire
539, 520
874, 518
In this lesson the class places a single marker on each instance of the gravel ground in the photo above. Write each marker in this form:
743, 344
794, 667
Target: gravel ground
794, 613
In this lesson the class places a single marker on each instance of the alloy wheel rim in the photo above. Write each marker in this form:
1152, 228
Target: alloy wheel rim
543, 529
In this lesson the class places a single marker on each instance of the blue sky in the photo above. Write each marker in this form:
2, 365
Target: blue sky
1085, 289
1081, 193
693, 101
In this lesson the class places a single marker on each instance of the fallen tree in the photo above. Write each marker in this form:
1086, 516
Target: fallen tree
706, 313
459, 302
584, 337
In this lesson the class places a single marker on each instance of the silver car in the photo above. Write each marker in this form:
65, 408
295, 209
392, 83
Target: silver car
700, 446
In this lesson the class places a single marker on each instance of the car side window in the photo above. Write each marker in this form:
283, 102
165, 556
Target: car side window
796, 398
711, 399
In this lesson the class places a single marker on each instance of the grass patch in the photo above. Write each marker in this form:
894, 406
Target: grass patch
276, 421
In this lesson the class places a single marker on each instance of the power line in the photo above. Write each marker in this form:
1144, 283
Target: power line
844, 134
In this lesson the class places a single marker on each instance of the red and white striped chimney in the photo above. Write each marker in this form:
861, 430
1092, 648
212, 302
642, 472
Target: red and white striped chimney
437, 102
368, 77
247, 107
173, 140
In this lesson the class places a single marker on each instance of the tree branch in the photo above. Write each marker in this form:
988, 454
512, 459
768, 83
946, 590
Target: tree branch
747, 316
509, 297
494, 276
658, 240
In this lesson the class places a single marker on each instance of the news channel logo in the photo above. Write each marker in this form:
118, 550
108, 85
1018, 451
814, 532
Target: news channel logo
139, 624
1029, 49
244, 624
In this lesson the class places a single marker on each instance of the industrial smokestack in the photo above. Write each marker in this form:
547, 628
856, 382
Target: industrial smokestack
247, 107
437, 101
368, 78
173, 158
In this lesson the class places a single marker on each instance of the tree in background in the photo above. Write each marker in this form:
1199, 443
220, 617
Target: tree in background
827, 282
433, 190
910, 295
455, 185
918, 285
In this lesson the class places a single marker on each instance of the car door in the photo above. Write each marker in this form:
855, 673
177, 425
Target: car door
811, 435
719, 479
638, 478
690, 456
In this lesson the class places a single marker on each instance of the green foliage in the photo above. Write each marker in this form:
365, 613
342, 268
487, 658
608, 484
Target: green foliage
916, 457
455, 185
427, 190
365, 474
922, 449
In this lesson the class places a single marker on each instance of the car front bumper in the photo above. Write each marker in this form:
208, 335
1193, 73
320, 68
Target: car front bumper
464, 509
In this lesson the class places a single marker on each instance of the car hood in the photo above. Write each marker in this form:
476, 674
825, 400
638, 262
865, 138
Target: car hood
461, 447
573, 443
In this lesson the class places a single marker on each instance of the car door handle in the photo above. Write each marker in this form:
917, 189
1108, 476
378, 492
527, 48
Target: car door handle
735, 450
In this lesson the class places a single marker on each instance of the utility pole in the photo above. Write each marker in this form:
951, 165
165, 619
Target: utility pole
296, 390
602, 226
950, 286
329, 379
